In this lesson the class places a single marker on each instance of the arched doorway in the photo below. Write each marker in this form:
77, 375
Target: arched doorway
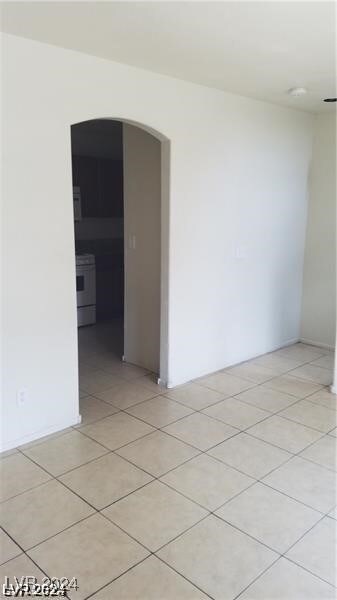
140, 215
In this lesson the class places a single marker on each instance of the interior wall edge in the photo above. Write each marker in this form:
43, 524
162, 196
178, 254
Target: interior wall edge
36, 435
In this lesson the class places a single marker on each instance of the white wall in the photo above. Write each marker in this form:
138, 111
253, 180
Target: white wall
319, 279
238, 195
142, 241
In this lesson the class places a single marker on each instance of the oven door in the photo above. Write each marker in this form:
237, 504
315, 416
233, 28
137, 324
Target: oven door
86, 285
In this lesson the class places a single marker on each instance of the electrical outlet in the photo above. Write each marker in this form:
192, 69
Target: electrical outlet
241, 252
21, 397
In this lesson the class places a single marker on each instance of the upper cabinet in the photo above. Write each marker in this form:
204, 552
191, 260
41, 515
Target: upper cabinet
110, 177
101, 184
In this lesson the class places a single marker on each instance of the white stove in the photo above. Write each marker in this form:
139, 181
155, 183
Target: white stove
86, 289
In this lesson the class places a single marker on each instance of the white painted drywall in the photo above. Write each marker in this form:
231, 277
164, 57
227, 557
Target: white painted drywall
238, 197
319, 278
142, 247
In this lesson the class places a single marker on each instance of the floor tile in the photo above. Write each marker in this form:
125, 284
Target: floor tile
250, 455
266, 398
117, 430
276, 362
103, 360
333, 513
252, 372
98, 380
225, 384
45, 438
324, 398
269, 516
303, 352
323, 452
150, 381
18, 474
92, 409
127, 371
200, 431
207, 481
286, 581
126, 395
157, 453
286, 434
155, 514
316, 551
306, 482
194, 395
105, 480
311, 415
217, 558
147, 581
236, 413
18, 567
65, 452
85, 370
33, 516
8, 549
319, 349
327, 361
159, 411
94, 551
333, 432
293, 386
313, 373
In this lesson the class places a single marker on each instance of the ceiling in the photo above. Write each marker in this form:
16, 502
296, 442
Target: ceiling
256, 49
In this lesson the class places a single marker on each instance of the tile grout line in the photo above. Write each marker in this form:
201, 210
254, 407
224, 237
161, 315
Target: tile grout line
148, 473
199, 454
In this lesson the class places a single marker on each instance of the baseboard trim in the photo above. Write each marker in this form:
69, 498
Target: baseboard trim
40, 434
333, 389
243, 359
315, 343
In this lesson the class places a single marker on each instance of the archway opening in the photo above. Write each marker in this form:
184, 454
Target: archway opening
120, 173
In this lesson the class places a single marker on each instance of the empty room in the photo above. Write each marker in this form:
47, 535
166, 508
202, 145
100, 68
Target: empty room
168, 323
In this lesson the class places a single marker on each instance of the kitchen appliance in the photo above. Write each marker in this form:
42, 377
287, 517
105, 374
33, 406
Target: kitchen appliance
86, 289
77, 203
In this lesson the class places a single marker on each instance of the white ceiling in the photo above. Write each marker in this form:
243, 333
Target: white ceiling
257, 49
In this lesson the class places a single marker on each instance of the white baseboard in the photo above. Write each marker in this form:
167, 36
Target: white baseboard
315, 343
10, 445
333, 389
243, 359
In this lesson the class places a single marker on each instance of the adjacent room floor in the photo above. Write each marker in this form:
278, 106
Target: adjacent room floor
221, 488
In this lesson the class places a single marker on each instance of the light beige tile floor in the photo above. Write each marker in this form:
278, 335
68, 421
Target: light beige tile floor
269, 516
236, 413
218, 558
250, 455
151, 580
219, 482
8, 548
323, 452
143, 513
40, 513
316, 551
157, 453
126, 502
286, 581
200, 431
